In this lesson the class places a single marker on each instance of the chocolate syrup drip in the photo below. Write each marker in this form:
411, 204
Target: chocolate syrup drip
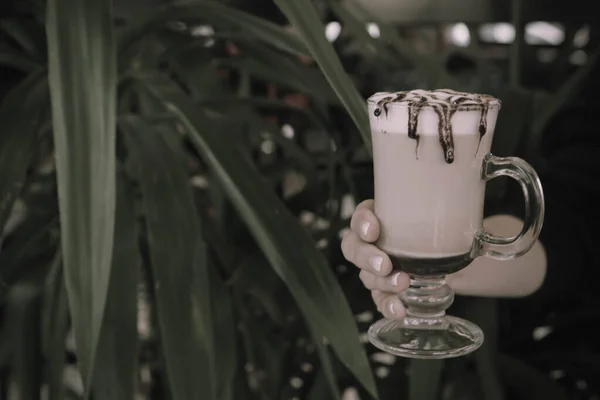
414, 109
482, 123
445, 131
445, 107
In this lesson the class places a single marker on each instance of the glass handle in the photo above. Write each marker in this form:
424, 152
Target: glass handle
506, 248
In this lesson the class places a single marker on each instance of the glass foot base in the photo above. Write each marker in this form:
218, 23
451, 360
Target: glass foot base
394, 337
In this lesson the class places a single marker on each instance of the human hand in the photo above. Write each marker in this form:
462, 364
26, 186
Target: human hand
377, 273
483, 277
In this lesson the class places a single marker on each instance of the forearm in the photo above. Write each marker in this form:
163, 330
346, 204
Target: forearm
487, 277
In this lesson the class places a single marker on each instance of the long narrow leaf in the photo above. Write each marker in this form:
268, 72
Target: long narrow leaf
276, 71
116, 364
33, 240
291, 253
431, 69
82, 73
55, 320
20, 114
219, 15
358, 27
24, 316
24, 36
484, 313
15, 59
516, 48
225, 341
327, 366
178, 259
267, 103
292, 70
528, 382
203, 82
303, 15
425, 379
255, 277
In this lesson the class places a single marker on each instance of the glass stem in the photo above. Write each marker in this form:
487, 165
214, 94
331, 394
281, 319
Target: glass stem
426, 301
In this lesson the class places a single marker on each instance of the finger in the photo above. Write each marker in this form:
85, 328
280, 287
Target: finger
395, 282
388, 304
364, 222
368, 204
365, 256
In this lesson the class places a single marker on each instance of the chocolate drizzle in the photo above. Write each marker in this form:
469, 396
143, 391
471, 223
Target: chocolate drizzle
413, 120
445, 103
483, 123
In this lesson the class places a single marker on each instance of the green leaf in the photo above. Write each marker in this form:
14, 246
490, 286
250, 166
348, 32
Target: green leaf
526, 382
425, 379
5, 347
178, 259
116, 371
299, 158
318, 391
255, 277
290, 251
219, 242
33, 240
515, 56
83, 80
484, 313
328, 368
304, 17
280, 68
219, 15
23, 315
429, 67
15, 59
268, 350
202, 81
21, 112
277, 71
55, 322
194, 67
21, 34
358, 27
267, 103
224, 329
70, 394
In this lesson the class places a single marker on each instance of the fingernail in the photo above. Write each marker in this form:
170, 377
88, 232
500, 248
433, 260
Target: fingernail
364, 229
394, 278
392, 307
375, 262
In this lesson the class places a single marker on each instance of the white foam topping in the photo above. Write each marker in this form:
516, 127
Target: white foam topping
428, 98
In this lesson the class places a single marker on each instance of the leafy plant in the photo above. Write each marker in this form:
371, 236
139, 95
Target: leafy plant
126, 202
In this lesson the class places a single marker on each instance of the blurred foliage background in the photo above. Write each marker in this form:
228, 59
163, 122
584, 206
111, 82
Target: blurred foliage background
175, 178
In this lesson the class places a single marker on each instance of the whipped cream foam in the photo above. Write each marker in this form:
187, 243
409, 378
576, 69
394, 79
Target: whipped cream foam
444, 103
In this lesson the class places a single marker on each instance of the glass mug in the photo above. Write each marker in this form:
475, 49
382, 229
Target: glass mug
431, 156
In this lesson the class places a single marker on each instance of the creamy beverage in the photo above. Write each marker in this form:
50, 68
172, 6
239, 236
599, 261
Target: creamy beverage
431, 155
428, 150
